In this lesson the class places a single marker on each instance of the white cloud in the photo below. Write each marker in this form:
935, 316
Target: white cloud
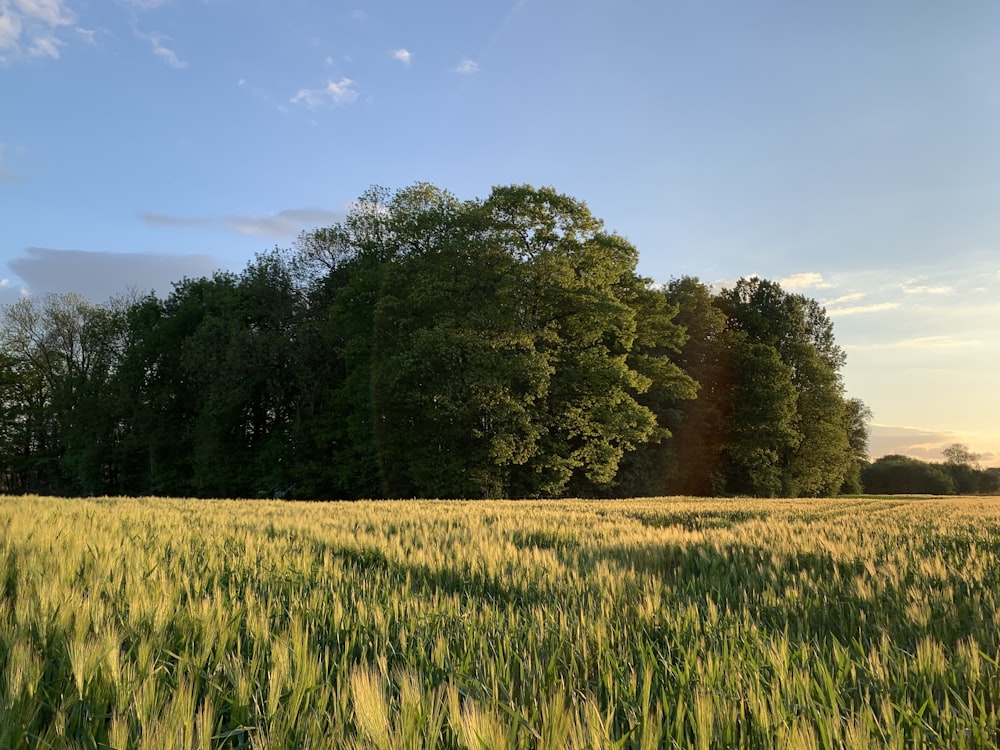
87, 35
45, 46
853, 297
48, 12
919, 342
466, 67
403, 55
28, 27
799, 281
908, 288
915, 442
10, 29
860, 309
926, 445
161, 50
335, 93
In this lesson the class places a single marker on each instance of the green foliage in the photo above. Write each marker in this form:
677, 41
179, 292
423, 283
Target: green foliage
792, 431
856, 419
960, 474
487, 344
699, 426
428, 346
897, 474
762, 431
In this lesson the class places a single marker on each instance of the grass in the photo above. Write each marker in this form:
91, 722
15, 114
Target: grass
157, 623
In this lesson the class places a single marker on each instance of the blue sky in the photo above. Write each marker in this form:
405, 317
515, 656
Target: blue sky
848, 149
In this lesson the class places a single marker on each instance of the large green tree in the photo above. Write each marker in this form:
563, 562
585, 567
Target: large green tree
816, 456
581, 301
455, 376
491, 347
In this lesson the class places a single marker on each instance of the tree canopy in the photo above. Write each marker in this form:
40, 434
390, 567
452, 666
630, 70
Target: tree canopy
428, 346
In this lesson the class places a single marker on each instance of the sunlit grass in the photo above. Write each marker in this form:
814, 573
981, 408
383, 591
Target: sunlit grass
638, 624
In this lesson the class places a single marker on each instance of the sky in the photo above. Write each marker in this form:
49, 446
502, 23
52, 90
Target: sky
849, 150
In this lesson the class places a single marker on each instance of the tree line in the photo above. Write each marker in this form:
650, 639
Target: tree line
960, 473
432, 347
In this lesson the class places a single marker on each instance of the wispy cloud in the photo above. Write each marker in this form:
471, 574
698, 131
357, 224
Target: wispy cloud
466, 66
909, 441
335, 93
10, 29
909, 287
918, 342
927, 445
146, 4
861, 309
166, 220
853, 297
282, 225
28, 27
87, 35
403, 55
45, 46
158, 43
799, 281
48, 12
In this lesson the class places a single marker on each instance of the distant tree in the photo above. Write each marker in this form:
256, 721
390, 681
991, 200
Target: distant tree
966, 470
896, 474
990, 482
958, 454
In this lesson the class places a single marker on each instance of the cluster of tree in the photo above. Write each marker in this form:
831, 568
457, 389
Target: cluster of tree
960, 473
428, 346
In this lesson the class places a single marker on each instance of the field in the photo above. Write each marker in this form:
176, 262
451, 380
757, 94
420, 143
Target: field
160, 623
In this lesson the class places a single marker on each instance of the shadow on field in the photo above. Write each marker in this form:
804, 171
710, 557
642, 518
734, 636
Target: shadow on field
807, 595
464, 581
696, 520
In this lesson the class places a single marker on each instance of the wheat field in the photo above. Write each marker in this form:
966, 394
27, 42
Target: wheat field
159, 623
